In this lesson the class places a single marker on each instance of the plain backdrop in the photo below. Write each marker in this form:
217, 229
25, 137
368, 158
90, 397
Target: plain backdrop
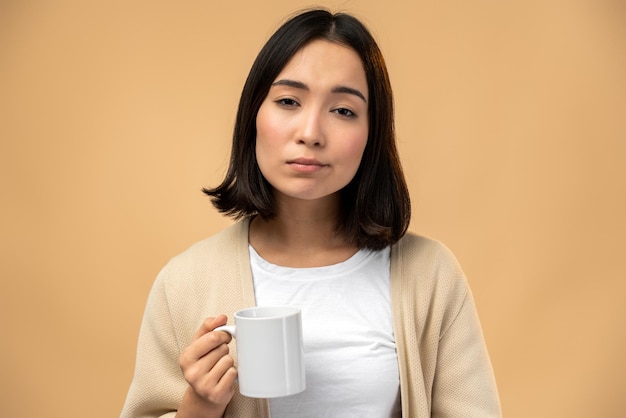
511, 121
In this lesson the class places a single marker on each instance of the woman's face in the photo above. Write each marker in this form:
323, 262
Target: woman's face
312, 127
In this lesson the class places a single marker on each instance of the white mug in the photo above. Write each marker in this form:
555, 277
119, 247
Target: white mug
270, 351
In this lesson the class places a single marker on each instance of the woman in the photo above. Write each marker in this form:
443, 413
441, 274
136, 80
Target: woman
322, 206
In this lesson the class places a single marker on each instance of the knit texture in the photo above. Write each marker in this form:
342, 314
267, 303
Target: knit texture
444, 366
443, 362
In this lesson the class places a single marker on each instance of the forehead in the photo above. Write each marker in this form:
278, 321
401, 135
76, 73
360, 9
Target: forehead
322, 61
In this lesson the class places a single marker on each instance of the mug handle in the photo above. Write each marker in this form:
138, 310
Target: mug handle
231, 329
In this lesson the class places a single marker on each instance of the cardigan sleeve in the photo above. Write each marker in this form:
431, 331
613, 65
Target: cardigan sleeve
464, 384
209, 278
158, 385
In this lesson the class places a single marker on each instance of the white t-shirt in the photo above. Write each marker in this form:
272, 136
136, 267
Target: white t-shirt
350, 351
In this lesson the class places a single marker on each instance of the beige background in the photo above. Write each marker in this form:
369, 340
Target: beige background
511, 119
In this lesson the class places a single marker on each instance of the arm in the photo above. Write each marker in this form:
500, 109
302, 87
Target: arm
159, 387
210, 372
464, 384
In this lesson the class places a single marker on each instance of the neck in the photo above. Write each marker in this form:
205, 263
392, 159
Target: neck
303, 234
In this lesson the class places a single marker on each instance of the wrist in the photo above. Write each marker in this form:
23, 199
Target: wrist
195, 406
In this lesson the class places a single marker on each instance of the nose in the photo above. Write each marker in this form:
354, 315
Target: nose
312, 133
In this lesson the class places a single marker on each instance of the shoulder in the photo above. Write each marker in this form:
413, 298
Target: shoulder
419, 251
223, 248
206, 262
428, 273
206, 278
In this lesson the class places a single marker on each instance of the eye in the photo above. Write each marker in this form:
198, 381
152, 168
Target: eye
345, 112
286, 102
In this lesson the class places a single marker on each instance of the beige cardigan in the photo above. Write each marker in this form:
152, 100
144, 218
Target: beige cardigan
444, 366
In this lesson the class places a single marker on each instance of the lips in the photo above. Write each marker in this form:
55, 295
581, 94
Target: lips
306, 161
306, 165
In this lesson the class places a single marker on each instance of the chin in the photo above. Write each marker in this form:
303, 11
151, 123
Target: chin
309, 196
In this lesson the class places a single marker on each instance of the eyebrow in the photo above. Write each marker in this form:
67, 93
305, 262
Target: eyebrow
338, 89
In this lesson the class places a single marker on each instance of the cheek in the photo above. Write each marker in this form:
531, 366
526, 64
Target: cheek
353, 148
266, 133
265, 128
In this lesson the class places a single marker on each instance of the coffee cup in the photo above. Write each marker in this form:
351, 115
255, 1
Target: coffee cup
270, 351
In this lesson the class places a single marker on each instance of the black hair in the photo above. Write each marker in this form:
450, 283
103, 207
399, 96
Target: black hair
376, 208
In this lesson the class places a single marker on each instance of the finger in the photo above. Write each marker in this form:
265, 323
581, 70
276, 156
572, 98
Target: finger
209, 324
219, 386
221, 379
219, 369
206, 363
202, 347
226, 383
202, 371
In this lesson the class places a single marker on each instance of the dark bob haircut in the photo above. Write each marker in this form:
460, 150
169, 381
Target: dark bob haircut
376, 207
